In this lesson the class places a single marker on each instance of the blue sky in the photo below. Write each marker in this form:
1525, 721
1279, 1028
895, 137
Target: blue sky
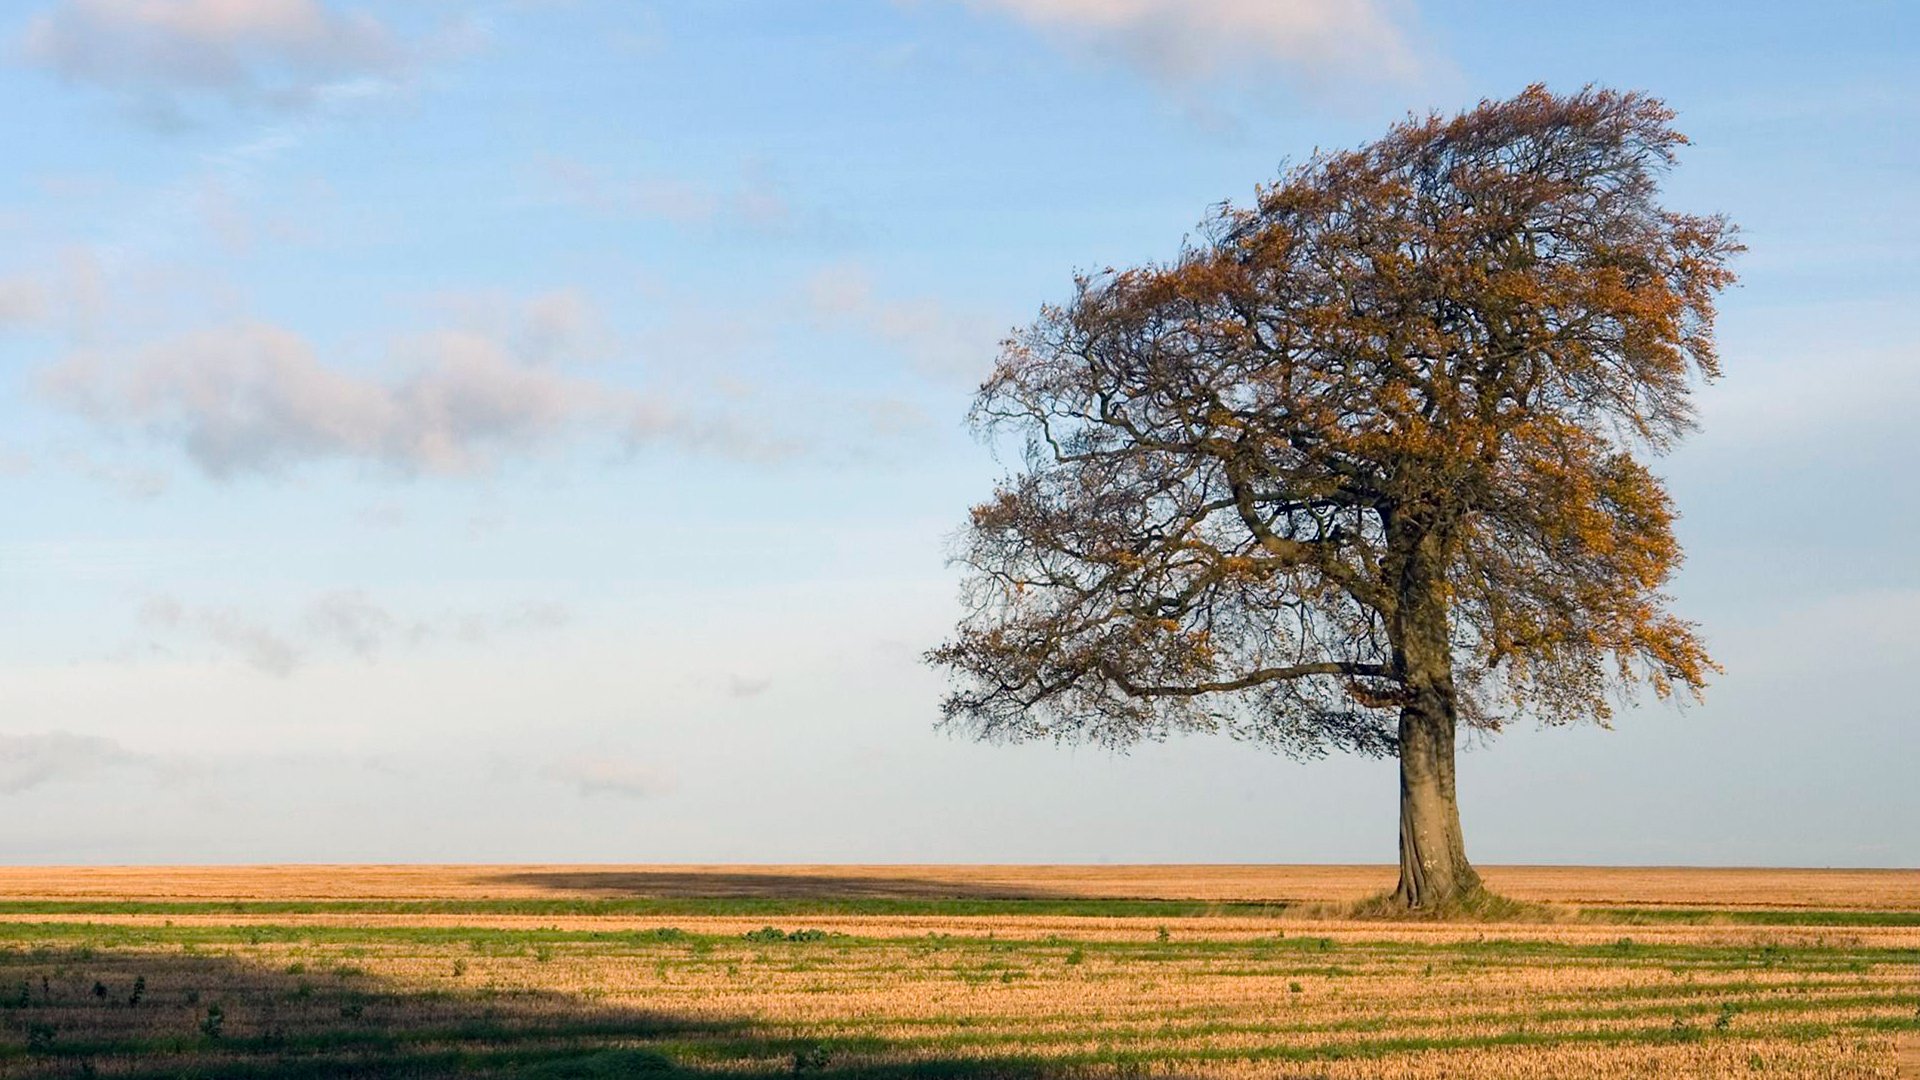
530, 431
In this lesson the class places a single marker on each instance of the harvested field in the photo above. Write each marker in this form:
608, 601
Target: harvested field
1729, 887
945, 971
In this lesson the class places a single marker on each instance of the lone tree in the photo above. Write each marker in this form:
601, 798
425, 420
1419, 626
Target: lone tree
1362, 465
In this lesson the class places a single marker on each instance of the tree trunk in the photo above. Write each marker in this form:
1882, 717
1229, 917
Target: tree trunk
1433, 856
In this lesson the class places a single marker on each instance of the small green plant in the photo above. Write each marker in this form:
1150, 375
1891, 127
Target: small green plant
40, 1038
296, 968
1076, 955
1295, 988
810, 1059
1163, 935
1725, 1019
352, 1010
212, 1023
139, 990
543, 953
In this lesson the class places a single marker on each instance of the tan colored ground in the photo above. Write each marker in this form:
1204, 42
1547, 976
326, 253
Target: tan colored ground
1027, 996
1031, 928
1731, 888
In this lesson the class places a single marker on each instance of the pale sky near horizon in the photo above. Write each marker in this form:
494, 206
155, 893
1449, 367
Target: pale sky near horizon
478, 430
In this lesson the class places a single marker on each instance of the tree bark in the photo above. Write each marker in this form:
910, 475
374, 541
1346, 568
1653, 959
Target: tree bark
1433, 855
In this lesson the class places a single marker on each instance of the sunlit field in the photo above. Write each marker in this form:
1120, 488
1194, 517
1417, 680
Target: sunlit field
948, 971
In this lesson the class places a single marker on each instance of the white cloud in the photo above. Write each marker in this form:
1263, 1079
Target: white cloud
156, 53
939, 341
603, 774
28, 761
257, 398
1177, 41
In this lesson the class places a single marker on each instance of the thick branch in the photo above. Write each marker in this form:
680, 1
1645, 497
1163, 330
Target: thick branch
1247, 681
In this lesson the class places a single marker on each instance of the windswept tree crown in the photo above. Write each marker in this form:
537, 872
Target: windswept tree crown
1426, 368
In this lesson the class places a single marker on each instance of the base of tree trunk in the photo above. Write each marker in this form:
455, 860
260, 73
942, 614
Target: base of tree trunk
1477, 904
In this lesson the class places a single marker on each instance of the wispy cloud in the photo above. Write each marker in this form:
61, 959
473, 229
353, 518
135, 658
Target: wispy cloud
161, 55
23, 301
354, 622
65, 292
258, 398
938, 340
560, 326
130, 480
28, 761
346, 622
754, 204
747, 686
255, 643
1182, 41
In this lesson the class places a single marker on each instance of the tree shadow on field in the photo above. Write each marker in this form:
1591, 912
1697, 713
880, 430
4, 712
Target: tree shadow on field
181, 1011
771, 884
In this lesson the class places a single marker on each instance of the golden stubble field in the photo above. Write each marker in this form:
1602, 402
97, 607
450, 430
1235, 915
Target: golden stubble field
947, 971
1728, 887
